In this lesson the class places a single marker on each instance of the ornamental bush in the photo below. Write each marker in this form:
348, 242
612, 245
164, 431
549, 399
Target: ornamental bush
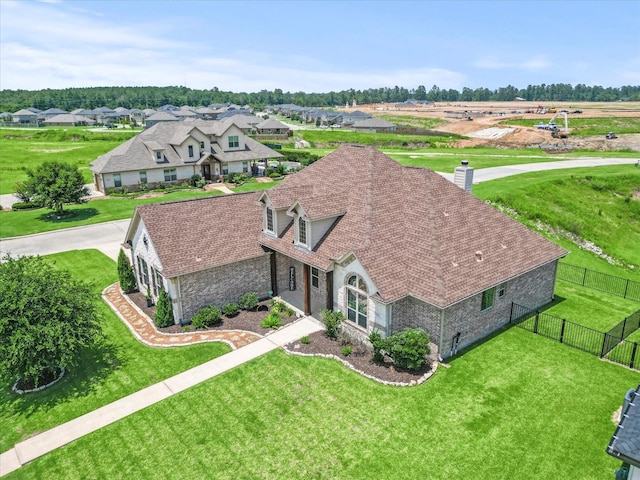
230, 309
379, 345
208, 316
248, 301
332, 321
164, 310
125, 273
272, 321
408, 348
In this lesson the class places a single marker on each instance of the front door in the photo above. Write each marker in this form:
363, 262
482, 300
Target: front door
206, 171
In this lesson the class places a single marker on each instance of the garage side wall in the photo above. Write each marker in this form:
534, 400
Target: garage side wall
221, 285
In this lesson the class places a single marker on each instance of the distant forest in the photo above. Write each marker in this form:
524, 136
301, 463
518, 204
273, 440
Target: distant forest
153, 97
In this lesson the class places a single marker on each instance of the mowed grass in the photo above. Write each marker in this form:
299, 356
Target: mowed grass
26, 149
25, 222
119, 366
517, 406
338, 136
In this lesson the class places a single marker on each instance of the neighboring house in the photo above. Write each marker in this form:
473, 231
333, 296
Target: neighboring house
625, 442
68, 120
350, 118
272, 129
389, 246
171, 152
24, 117
50, 113
374, 125
159, 117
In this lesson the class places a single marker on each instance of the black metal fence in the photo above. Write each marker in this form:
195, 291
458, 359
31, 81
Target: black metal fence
602, 344
622, 287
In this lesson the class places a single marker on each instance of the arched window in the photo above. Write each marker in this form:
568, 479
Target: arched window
357, 300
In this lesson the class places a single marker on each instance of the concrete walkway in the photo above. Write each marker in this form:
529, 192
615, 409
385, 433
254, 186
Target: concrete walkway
247, 346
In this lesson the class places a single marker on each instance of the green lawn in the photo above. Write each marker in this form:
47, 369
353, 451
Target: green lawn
25, 222
517, 406
24, 149
120, 366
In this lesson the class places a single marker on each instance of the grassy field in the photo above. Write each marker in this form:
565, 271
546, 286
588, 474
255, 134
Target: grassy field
517, 406
323, 138
581, 126
24, 149
120, 366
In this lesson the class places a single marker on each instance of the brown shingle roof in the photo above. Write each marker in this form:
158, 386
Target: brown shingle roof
195, 235
414, 232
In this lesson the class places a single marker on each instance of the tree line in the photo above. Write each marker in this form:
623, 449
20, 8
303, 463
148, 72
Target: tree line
152, 97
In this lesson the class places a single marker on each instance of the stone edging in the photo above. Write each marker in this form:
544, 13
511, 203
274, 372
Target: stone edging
42, 387
422, 379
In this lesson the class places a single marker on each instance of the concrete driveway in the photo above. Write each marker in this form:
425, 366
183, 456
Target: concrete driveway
106, 237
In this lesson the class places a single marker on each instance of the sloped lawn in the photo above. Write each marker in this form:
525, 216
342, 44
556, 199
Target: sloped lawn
517, 406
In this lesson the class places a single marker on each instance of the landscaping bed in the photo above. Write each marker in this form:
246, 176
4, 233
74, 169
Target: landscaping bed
360, 359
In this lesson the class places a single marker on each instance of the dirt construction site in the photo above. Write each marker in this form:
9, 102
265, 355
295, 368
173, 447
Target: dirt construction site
483, 123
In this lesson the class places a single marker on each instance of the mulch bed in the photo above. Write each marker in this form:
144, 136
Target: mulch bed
361, 359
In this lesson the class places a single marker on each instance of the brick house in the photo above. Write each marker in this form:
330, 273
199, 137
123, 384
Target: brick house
389, 246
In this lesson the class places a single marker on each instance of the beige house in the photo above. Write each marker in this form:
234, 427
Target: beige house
171, 152
389, 246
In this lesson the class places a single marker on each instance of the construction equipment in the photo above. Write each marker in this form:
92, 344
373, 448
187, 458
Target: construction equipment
560, 132
610, 136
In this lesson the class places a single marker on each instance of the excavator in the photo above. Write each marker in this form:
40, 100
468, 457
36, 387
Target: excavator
560, 132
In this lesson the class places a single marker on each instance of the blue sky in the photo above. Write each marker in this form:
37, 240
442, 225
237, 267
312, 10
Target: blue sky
318, 46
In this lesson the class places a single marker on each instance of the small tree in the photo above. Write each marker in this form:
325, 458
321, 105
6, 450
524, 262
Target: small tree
46, 318
164, 310
125, 273
53, 184
408, 348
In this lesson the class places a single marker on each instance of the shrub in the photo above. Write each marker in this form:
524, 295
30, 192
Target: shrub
272, 321
379, 345
160, 186
230, 309
201, 183
24, 206
346, 351
125, 273
206, 317
280, 307
236, 177
408, 348
164, 310
332, 321
248, 301
305, 340
194, 180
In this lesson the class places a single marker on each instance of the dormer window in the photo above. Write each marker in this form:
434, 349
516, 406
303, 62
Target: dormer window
302, 231
158, 155
268, 220
234, 141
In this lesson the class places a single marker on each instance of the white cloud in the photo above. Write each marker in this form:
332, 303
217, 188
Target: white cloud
536, 63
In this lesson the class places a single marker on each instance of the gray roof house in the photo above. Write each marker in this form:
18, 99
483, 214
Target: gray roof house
389, 246
160, 117
69, 120
171, 152
25, 116
625, 442
50, 113
374, 125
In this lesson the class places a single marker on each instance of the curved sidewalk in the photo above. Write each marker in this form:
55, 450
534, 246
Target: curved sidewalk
247, 346
142, 328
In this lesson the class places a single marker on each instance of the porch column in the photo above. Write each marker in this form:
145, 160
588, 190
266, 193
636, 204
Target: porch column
274, 273
306, 275
329, 292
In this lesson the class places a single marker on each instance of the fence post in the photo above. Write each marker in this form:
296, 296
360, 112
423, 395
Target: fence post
564, 320
633, 355
604, 342
584, 275
626, 288
624, 327
535, 323
511, 314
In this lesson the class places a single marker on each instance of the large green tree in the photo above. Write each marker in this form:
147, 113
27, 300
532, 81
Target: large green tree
46, 318
53, 184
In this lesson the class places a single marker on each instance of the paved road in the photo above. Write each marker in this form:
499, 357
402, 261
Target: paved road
107, 237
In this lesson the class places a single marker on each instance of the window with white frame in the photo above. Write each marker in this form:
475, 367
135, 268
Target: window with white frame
202, 145
170, 175
268, 220
302, 231
158, 283
190, 151
357, 298
158, 155
117, 180
315, 277
225, 169
245, 167
487, 298
234, 141
144, 272
502, 289
143, 177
